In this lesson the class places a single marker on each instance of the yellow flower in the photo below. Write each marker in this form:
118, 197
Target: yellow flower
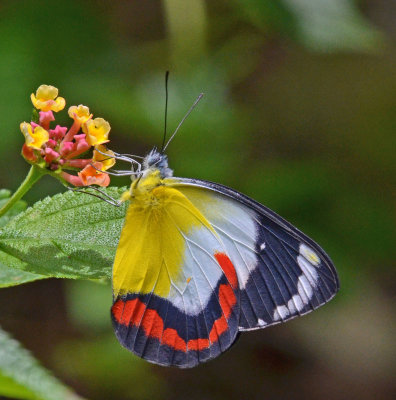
79, 113
34, 138
97, 131
107, 160
46, 99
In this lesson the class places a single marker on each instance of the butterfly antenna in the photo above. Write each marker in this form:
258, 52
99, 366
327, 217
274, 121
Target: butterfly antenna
184, 118
166, 109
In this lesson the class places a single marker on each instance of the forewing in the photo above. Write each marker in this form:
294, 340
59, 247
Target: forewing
176, 295
281, 272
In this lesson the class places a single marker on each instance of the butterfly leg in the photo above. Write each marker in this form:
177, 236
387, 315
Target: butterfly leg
123, 157
103, 195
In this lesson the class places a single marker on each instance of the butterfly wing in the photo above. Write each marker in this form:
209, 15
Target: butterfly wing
176, 296
206, 264
281, 272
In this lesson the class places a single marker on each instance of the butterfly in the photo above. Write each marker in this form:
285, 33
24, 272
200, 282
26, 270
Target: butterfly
197, 263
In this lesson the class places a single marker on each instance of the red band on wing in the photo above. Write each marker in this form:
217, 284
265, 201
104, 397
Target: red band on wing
228, 269
227, 299
134, 312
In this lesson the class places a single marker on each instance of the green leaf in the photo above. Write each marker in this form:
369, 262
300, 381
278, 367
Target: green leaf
18, 207
71, 235
10, 276
22, 377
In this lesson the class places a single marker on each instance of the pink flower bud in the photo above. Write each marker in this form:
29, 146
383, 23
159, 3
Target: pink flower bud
51, 143
58, 133
82, 144
66, 148
45, 118
78, 162
73, 179
50, 155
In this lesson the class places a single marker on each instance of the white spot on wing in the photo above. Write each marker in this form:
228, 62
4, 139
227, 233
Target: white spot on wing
304, 289
295, 304
308, 261
262, 246
309, 254
281, 312
309, 271
308, 280
260, 322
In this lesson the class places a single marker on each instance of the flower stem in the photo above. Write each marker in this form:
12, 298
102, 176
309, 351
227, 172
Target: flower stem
32, 177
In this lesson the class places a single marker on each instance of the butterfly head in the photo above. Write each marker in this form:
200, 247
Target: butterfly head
157, 161
155, 169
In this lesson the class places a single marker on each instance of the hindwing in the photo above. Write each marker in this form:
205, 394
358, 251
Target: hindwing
176, 296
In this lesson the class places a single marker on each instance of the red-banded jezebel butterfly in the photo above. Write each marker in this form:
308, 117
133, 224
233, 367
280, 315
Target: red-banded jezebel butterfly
198, 262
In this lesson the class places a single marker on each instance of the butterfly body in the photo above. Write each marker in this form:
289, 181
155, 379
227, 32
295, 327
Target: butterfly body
198, 262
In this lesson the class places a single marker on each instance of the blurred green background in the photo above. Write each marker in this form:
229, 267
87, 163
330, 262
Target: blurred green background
299, 112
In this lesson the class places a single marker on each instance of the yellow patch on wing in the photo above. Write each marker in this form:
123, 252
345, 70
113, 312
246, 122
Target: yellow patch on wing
152, 246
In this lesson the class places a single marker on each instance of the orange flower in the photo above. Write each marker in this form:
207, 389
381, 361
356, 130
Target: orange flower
28, 153
93, 175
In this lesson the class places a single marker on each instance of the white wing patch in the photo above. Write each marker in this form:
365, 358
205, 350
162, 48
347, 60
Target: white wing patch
307, 282
309, 254
235, 225
201, 272
260, 322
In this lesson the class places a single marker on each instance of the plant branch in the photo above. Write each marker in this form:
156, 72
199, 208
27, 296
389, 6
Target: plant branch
35, 173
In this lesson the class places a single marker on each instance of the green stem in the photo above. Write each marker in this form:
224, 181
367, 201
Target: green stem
32, 177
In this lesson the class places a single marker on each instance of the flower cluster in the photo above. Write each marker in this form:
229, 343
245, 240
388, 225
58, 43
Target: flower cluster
60, 148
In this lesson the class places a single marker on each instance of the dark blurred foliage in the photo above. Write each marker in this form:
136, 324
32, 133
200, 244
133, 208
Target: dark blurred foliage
299, 112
